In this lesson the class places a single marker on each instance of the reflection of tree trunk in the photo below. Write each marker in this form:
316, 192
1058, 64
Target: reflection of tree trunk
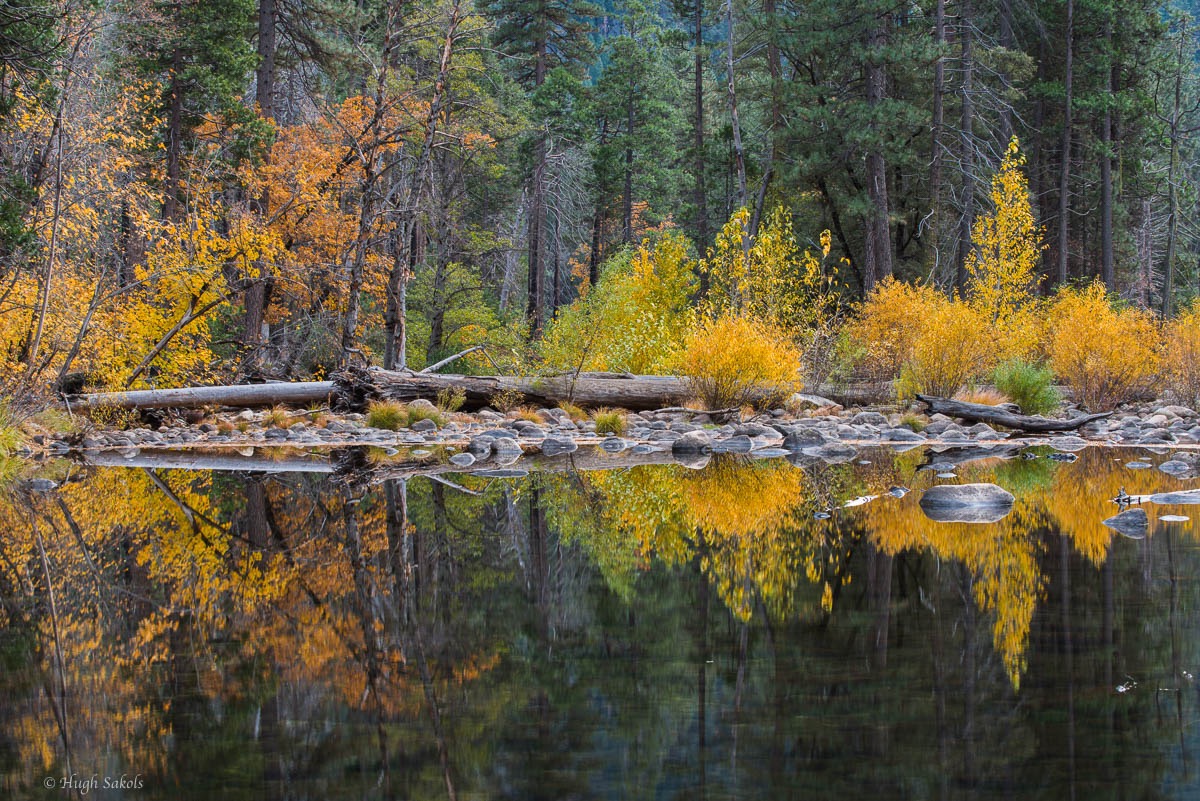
879, 588
1176, 662
968, 730
404, 575
1064, 555
537, 555
702, 669
1108, 626
364, 596
939, 692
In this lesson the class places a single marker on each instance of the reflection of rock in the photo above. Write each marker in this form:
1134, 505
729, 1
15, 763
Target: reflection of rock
1176, 468
833, 452
1131, 523
693, 460
966, 503
1068, 444
1186, 497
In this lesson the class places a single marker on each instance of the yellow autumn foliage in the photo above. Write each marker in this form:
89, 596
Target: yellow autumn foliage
1104, 353
1181, 355
634, 320
1002, 265
887, 325
734, 361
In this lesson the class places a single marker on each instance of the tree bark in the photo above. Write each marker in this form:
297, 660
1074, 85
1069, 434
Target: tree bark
967, 151
1064, 180
878, 262
1107, 257
935, 165
698, 161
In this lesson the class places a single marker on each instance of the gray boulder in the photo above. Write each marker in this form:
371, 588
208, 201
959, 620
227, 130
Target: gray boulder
692, 442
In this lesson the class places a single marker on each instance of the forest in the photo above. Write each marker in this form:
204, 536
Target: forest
926, 194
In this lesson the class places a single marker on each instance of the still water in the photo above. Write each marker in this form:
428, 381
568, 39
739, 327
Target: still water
748, 630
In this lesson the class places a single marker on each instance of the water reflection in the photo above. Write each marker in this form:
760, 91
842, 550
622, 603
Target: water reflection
656, 631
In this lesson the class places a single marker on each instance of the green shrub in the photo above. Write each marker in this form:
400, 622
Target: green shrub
1029, 385
451, 400
609, 421
388, 415
418, 413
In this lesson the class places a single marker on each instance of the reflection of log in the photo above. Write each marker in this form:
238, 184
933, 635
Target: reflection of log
999, 415
262, 461
354, 463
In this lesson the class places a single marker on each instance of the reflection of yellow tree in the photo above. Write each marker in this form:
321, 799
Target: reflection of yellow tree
1001, 557
743, 518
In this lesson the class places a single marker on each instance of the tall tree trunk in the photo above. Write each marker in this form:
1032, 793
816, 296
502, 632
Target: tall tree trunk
1007, 42
967, 152
258, 288
627, 196
775, 125
1107, 259
535, 309
1173, 181
405, 260
878, 262
739, 153
939, 114
700, 193
1064, 180
174, 187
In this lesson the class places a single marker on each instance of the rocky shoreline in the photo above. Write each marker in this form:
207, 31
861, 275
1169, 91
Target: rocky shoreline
829, 433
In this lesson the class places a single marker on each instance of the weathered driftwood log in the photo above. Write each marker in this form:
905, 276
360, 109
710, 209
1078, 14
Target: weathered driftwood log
999, 415
251, 395
357, 387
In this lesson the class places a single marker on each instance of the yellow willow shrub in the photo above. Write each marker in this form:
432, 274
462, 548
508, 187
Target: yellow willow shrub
734, 361
886, 327
778, 281
1181, 355
1105, 355
1002, 267
951, 351
634, 320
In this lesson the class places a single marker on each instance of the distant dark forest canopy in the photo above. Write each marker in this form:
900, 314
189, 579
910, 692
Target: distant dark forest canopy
199, 190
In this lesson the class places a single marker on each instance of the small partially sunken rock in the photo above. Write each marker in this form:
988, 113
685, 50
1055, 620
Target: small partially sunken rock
1131, 523
966, 503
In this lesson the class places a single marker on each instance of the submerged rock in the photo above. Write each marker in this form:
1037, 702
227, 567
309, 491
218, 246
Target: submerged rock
966, 503
1131, 523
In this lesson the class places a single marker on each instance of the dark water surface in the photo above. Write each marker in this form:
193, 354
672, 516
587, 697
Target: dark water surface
731, 632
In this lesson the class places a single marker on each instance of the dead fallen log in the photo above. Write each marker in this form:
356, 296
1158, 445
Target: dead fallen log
357, 387
1004, 416
244, 395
